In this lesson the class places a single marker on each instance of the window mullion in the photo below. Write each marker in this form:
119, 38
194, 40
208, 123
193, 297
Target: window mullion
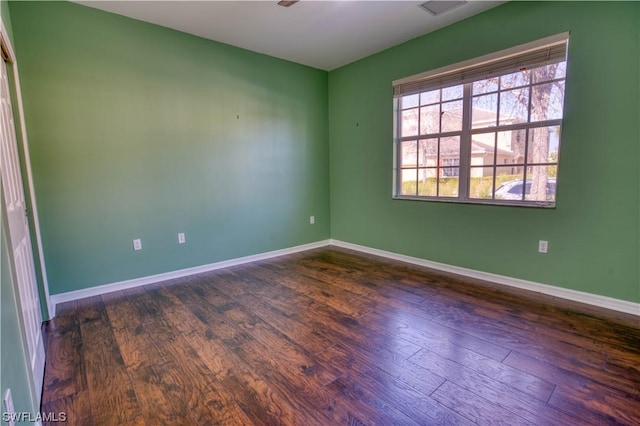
518, 126
397, 149
465, 144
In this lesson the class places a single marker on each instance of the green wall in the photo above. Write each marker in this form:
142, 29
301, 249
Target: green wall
137, 131
593, 231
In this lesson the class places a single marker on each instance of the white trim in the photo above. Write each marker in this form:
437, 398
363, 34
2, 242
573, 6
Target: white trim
38, 367
136, 282
574, 295
37, 359
32, 193
577, 296
27, 159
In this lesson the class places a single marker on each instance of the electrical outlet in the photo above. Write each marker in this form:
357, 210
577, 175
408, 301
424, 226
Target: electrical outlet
543, 246
181, 239
8, 407
312, 220
137, 244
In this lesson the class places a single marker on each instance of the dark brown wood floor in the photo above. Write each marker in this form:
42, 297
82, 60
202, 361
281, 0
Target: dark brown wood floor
331, 337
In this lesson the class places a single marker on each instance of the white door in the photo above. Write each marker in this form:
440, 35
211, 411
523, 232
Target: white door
19, 236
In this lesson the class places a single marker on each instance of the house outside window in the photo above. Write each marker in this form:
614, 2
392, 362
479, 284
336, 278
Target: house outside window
482, 130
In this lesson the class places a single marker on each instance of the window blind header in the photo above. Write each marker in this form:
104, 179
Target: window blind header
537, 53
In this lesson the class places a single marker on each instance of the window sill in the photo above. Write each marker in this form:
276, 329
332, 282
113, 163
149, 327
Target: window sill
508, 203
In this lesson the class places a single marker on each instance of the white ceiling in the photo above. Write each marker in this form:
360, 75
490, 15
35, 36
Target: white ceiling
321, 34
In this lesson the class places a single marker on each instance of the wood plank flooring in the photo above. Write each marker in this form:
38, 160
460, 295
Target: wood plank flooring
334, 337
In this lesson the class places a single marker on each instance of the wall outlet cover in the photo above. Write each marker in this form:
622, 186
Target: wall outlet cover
543, 246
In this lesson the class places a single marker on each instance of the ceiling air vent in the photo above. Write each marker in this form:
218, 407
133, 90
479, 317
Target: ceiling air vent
285, 3
438, 7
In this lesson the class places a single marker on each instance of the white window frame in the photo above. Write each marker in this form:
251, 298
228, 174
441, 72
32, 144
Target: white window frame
525, 56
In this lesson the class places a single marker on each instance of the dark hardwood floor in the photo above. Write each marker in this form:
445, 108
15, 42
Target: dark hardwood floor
332, 337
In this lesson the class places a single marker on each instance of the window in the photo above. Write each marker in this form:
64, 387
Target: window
451, 171
483, 131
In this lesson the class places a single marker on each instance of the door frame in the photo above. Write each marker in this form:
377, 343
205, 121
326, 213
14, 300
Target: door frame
7, 50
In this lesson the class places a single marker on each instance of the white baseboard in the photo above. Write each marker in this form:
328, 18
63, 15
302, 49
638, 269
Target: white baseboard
577, 296
37, 367
56, 299
574, 295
